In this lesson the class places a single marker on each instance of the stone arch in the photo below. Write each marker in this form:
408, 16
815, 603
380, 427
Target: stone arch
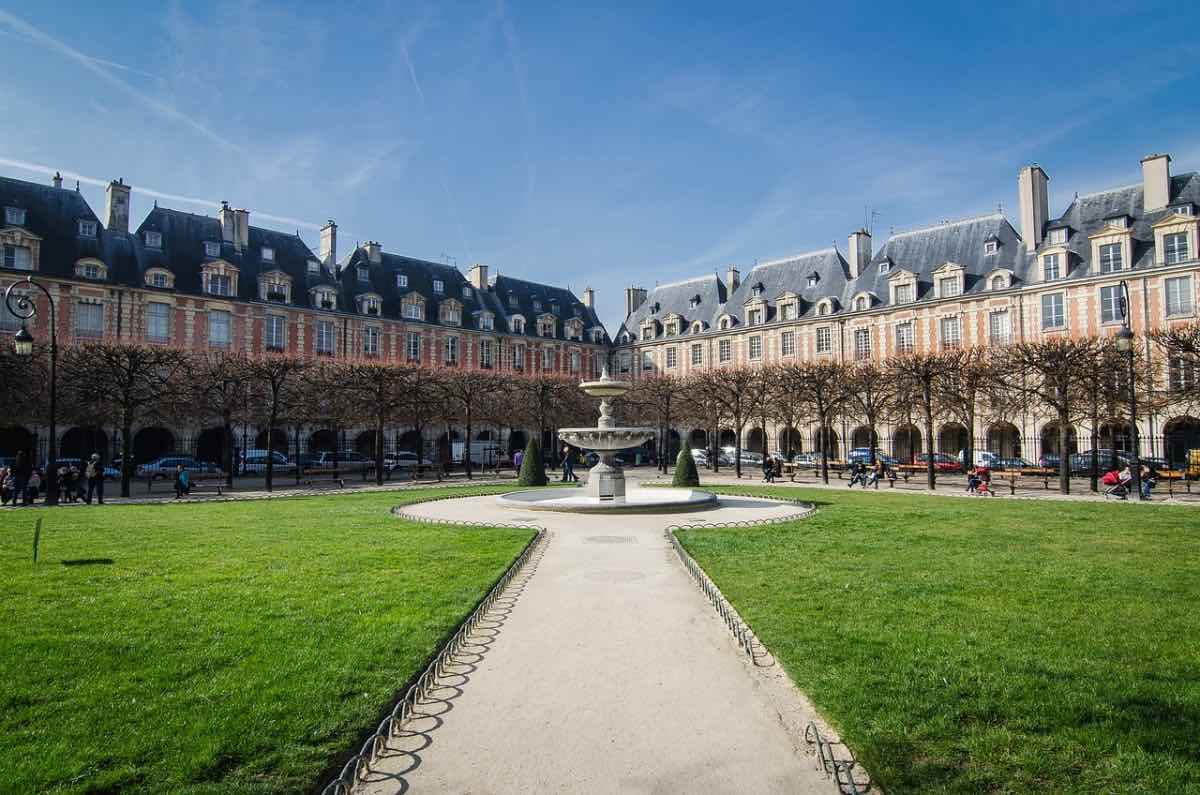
755, 440
1180, 435
409, 441
151, 443
1049, 440
673, 443
81, 442
825, 438
322, 440
698, 439
486, 435
1114, 435
952, 439
906, 443
791, 441
728, 438
365, 443
15, 439
517, 440
278, 440
1004, 440
861, 437
210, 446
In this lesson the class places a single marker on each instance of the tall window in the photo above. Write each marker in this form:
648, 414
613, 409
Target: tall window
275, 332
412, 346
787, 343
1053, 311
862, 343
450, 350
1175, 247
371, 341
18, 258
672, 358
754, 317
647, 360
486, 322
1110, 258
220, 284
158, 322
903, 293
999, 328
518, 358
1179, 295
824, 340
547, 359
314, 268
575, 361
724, 351
756, 348
1050, 268
485, 354
697, 355
89, 320
1110, 304
439, 286
414, 310
904, 338
623, 363
1181, 374
324, 341
218, 328
949, 286
951, 330
466, 291
14, 216
787, 312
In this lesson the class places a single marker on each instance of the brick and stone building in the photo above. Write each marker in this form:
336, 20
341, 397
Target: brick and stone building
973, 281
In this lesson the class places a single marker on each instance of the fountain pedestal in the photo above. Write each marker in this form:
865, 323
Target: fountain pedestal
606, 482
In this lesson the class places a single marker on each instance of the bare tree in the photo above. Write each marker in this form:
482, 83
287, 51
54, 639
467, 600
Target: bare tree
825, 386
656, 398
699, 406
787, 407
966, 388
763, 388
1180, 356
918, 378
736, 390
129, 385
420, 406
872, 394
275, 389
1054, 373
376, 392
465, 393
217, 382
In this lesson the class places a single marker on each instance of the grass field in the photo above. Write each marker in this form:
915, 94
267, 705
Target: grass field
984, 645
223, 647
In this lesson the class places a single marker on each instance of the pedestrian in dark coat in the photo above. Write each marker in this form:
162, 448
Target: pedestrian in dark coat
95, 479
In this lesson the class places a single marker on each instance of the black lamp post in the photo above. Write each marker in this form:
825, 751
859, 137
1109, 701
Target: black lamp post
24, 308
1124, 341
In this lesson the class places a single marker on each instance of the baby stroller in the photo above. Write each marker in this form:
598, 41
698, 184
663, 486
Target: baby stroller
1115, 485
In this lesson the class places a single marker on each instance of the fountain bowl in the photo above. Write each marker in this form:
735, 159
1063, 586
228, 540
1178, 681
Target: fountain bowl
605, 439
636, 500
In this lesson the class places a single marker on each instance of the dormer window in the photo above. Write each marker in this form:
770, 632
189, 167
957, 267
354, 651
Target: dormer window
268, 254
364, 274
1119, 221
275, 287
537, 305
314, 268
823, 309
757, 290
885, 266
624, 338
92, 269
160, 277
512, 299
14, 216
517, 323
697, 327
991, 247
725, 323
1111, 259
369, 304
412, 307
554, 308
439, 286
1058, 236
220, 279
787, 311
212, 248
153, 239
466, 292
861, 303
325, 298
597, 335
1051, 267
902, 293
695, 301
999, 282
949, 286
487, 322
754, 317
812, 280
546, 326
1181, 209
401, 280
450, 313
87, 228
575, 329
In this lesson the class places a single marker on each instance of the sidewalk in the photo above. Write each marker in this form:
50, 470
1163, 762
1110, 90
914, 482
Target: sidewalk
948, 486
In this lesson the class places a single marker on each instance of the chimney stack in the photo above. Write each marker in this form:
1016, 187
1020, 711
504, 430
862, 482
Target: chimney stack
478, 276
374, 252
733, 278
1156, 182
228, 223
328, 251
116, 206
860, 252
1035, 208
634, 296
242, 241
589, 298
57, 180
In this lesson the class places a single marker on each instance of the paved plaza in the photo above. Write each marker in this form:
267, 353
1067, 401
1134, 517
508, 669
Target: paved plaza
610, 673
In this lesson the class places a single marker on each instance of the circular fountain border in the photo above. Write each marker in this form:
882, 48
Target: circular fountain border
657, 500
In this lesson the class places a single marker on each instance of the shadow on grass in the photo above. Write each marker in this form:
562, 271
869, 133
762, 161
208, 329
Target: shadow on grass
89, 562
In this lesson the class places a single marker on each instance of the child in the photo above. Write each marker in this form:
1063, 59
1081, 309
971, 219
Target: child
182, 487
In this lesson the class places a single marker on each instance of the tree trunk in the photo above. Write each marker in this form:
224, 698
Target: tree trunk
296, 445
379, 452
871, 438
737, 450
228, 429
1064, 457
930, 469
823, 443
271, 450
467, 449
126, 458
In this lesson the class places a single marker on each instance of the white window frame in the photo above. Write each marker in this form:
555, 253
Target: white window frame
439, 286
1105, 264
370, 338
267, 254
950, 332
158, 312
220, 335
787, 343
14, 260
1179, 251
153, 239
212, 248
1058, 313
862, 343
1049, 260
14, 216
999, 333
697, 354
325, 337
412, 346
1182, 303
724, 351
486, 354
905, 340
87, 228
756, 348
824, 339
1109, 301
275, 332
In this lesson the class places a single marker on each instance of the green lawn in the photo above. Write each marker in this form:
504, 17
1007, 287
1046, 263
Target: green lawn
221, 647
976, 645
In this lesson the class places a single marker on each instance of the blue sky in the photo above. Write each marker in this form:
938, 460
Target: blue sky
615, 145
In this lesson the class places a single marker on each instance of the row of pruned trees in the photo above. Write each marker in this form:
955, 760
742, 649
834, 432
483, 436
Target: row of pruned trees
1072, 380
128, 386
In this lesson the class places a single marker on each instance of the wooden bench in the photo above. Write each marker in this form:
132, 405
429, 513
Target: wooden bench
1175, 475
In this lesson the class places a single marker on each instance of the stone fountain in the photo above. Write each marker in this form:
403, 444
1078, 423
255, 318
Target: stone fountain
605, 490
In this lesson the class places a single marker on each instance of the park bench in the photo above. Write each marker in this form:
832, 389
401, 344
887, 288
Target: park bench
1172, 476
1014, 476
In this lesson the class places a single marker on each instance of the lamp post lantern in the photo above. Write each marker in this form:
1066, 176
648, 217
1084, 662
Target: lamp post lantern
1124, 342
23, 307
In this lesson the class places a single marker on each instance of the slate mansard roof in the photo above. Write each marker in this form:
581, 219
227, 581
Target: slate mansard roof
53, 215
921, 252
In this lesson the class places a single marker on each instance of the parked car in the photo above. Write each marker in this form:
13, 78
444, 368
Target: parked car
164, 468
350, 460
807, 459
942, 462
1010, 463
403, 459
700, 456
254, 462
863, 454
110, 473
1049, 461
985, 458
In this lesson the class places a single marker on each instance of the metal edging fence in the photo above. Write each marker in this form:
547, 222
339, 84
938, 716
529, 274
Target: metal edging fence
839, 766
356, 768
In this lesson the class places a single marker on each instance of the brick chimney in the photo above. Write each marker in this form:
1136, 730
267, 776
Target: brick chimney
589, 298
1156, 181
242, 229
328, 251
478, 276
1035, 209
634, 296
733, 277
57, 180
374, 251
116, 206
859, 252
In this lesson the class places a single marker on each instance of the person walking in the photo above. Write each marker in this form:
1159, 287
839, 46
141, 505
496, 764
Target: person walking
21, 471
6, 486
517, 458
95, 479
182, 485
768, 468
568, 466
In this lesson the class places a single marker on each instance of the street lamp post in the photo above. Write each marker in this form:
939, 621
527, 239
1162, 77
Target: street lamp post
20, 305
1124, 340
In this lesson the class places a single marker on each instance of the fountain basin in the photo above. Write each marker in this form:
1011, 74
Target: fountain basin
636, 500
603, 439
